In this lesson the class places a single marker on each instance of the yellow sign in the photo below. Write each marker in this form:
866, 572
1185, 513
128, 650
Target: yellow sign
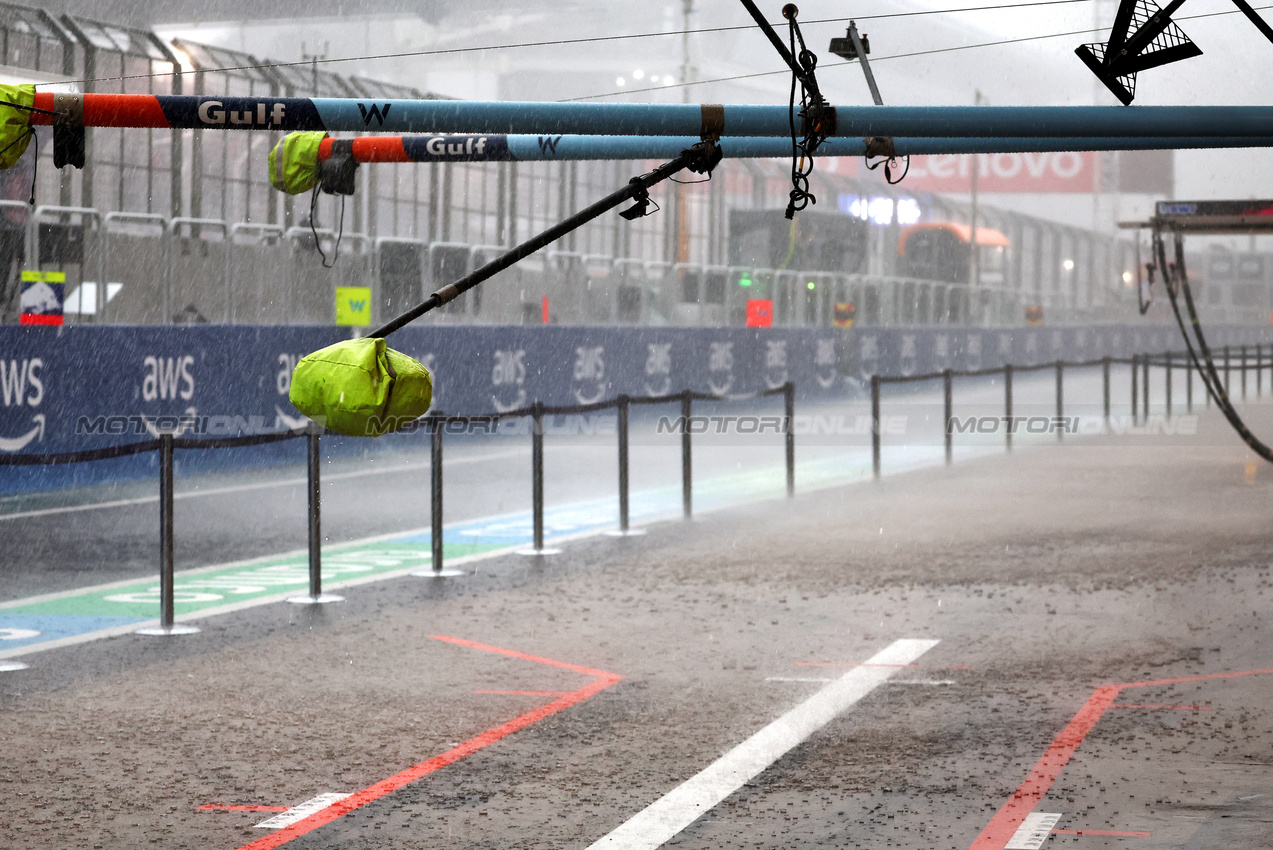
43, 277
353, 306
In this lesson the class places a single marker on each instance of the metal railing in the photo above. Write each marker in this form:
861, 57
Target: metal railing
1140, 396
435, 425
268, 277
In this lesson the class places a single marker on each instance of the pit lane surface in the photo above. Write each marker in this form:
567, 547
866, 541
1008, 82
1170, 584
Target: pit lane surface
1044, 575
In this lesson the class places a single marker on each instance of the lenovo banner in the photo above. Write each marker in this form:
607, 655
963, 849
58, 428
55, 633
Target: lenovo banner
1004, 172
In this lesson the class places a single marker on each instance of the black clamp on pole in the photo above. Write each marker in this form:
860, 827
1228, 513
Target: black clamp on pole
336, 173
68, 130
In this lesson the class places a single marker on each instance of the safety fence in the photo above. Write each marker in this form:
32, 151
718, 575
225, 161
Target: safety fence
435, 425
1227, 359
145, 268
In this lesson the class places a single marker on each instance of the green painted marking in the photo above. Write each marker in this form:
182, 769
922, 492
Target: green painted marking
198, 590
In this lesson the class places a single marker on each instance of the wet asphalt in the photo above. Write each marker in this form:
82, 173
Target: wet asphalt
1046, 575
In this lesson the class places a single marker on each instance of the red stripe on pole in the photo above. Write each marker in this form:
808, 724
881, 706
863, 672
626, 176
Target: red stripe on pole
110, 110
490, 736
380, 149
369, 149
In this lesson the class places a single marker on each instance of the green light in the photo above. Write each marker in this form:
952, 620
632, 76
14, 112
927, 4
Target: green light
744, 281
811, 285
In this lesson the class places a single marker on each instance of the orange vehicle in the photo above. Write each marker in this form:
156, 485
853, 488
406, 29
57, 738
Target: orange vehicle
942, 251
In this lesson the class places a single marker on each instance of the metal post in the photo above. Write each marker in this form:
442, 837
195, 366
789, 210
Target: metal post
1167, 369
624, 404
875, 425
1259, 370
1060, 399
1226, 370
537, 481
1144, 385
623, 463
687, 466
437, 425
947, 379
1136, 390
1007, 406
1189, 386
1243, 354
789, 407
166, 529
1105, 386
314, 459
167, 611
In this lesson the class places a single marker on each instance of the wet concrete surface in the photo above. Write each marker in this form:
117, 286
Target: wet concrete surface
1045, 574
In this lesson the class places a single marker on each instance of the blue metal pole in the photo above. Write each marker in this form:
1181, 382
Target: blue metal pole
636, 119
526, 148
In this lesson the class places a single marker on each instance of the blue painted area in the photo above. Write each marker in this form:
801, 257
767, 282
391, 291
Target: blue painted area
55, 626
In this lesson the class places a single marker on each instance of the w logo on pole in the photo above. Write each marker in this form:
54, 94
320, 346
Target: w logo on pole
548, 144
375, 112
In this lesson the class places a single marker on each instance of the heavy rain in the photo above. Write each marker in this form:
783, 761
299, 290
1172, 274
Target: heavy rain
615, 425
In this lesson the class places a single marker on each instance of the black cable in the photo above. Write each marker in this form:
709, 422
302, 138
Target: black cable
307, 63
1210, 376
340, 231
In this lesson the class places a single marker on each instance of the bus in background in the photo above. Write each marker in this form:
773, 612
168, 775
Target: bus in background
942, 251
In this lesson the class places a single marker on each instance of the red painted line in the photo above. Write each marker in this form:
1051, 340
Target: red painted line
1180, 707
526, 693
215, 807
1011, 815
1112, 832
1048, 768
371, 793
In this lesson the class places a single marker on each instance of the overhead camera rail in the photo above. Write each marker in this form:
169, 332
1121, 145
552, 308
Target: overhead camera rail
1144, 36
1176, 219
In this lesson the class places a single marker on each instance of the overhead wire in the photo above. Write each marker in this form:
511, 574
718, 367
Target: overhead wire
936, 50
308, 63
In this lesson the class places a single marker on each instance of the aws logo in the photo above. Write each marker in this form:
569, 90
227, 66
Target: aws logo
21, 386
20, 382
167, 378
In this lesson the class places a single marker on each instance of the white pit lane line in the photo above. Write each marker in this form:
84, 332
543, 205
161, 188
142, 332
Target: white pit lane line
663, 819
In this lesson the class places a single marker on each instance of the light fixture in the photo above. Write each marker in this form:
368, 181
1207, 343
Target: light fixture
620, 82
654, 78
1127, 277
811, 285
638, 74
1068, 265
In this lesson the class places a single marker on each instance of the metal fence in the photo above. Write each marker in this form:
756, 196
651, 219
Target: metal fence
1231, 358
436, 425
160, 270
